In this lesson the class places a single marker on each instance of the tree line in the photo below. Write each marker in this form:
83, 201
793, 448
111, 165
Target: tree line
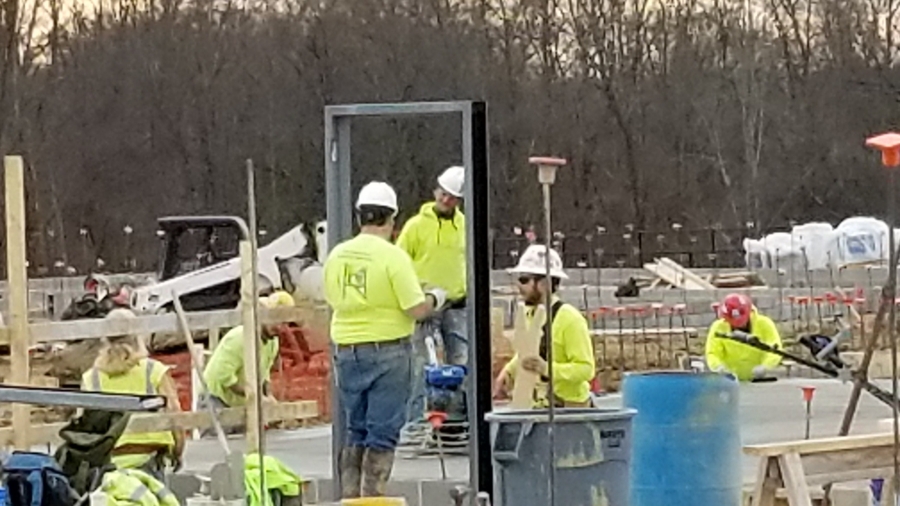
733, 114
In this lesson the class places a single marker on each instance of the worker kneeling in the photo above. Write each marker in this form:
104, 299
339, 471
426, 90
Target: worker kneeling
573, 349
123, 367
224, 372
376, 298
737, 313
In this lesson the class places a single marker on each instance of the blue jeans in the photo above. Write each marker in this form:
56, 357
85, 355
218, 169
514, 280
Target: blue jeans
374, 381
448, 327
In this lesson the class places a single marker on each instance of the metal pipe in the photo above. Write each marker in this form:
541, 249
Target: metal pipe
254, 298
892, 320
548, 333
546, 176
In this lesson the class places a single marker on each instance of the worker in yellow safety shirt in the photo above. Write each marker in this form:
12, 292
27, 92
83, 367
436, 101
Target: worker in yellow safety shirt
737, 312
376, 298
122, 367
435, 239
573, 349
224, 372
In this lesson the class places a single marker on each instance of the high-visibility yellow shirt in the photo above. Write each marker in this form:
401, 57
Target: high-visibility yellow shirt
225, 367
573, 357
144, 378
437, 247
370, 284
738, 358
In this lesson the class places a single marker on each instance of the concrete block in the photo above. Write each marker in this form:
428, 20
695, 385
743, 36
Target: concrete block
841, 495
435, 492
184, 485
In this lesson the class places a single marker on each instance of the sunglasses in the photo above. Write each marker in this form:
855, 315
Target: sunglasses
524, 280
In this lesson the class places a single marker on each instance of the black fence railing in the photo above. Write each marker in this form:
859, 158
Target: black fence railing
709, 247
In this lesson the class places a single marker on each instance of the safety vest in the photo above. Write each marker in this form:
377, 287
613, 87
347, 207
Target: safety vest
132, 487
139, 380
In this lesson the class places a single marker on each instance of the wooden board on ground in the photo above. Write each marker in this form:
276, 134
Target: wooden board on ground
674, 274
746, 279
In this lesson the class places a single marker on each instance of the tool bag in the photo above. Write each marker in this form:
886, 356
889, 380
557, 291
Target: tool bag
88, 441
35, 479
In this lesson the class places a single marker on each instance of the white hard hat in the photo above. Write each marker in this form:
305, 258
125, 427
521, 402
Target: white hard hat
533, 261
379, 194
452, 180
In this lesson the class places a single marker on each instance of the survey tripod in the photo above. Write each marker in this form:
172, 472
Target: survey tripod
825, 356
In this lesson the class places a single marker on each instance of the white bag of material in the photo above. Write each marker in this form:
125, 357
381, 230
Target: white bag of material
862, 240
756, 256
784, 252
818, 242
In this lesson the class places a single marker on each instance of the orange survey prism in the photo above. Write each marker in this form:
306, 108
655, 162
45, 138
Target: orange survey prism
889, 145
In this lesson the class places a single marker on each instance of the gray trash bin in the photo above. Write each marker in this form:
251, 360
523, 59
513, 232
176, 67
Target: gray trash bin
593, 450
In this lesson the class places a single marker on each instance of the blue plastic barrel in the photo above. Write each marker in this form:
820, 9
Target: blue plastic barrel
686, 444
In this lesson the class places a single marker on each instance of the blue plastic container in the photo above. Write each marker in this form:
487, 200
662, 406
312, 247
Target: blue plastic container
686, 445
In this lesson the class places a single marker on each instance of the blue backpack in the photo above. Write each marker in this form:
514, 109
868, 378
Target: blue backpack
35, 479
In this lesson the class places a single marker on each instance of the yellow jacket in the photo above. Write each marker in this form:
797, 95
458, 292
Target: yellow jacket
573, 357
132, 487
438, 249
738, 358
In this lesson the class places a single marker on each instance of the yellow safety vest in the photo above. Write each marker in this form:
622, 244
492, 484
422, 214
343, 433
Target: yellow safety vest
142, 379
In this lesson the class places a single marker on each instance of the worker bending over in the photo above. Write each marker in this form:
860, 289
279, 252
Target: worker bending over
737, 312
123, 367
435, 239
224, 372
375, 297
573, 349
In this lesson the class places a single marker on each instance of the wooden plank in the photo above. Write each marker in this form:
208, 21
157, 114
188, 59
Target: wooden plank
526, 341
794, 480
690, 279
201, 320
768, 481
18, 293
252, 389
186, 420
809, 446
849, 465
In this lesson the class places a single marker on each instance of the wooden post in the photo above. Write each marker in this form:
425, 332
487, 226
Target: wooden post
17, 276
251, 342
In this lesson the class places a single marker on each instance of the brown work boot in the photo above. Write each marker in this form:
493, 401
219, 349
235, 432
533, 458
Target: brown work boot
351, 471
377, 466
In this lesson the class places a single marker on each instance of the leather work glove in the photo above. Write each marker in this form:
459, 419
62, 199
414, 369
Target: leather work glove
440, 297
536, 365
759, 372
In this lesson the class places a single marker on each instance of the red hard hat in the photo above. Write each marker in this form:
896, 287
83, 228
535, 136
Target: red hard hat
735, 309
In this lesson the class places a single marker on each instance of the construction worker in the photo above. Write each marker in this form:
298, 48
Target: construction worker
224, 372
123, 367
737, 312
435, 239
573, 349
376, 298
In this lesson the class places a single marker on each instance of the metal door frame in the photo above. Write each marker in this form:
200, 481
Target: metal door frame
338, 172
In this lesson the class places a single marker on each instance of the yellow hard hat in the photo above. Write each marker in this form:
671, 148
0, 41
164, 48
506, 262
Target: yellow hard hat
279, 298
